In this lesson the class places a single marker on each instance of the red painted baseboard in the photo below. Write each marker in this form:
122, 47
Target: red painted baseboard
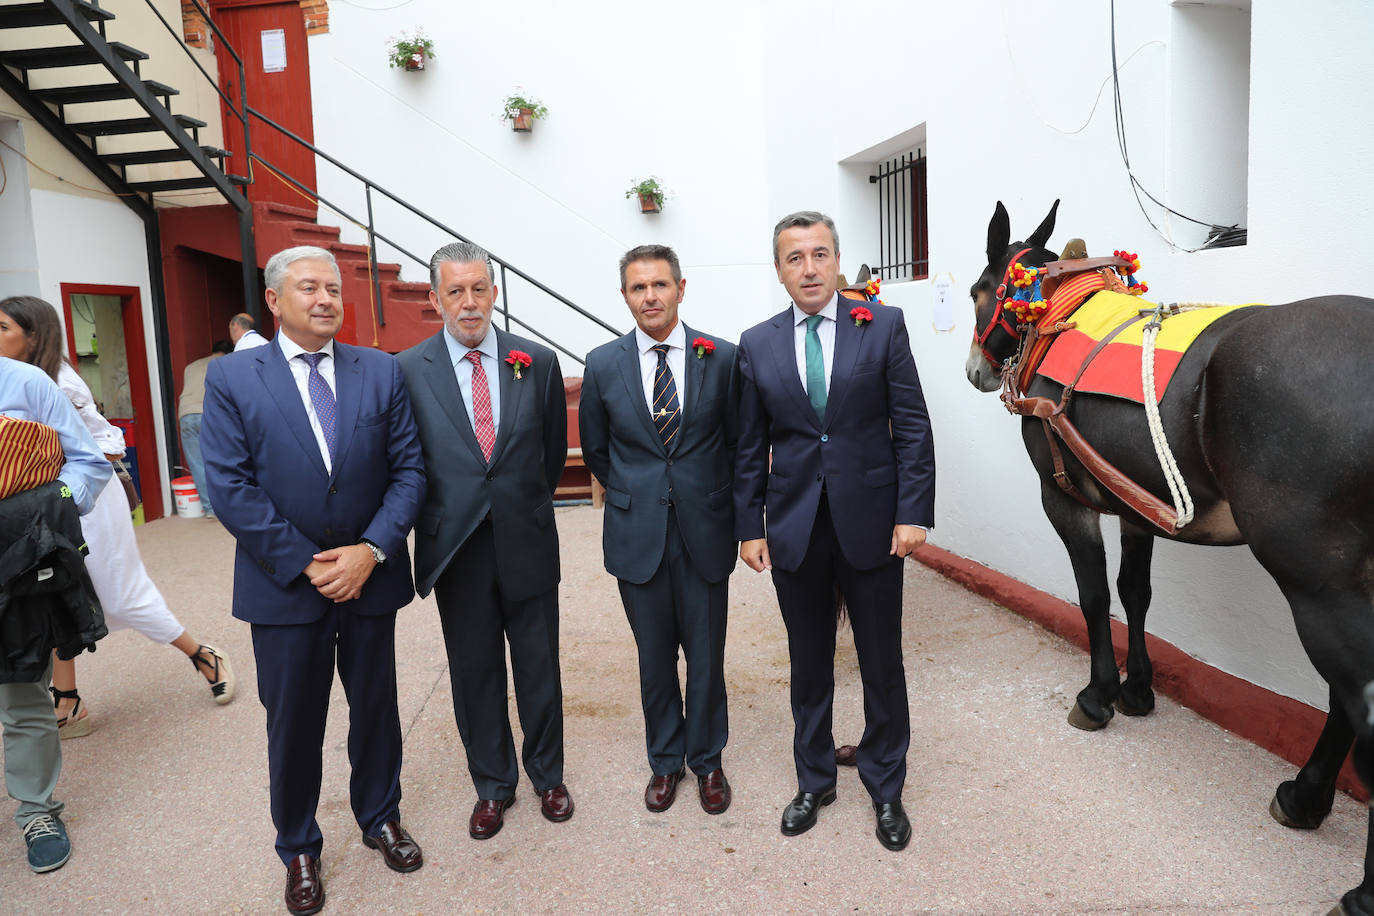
1279, 724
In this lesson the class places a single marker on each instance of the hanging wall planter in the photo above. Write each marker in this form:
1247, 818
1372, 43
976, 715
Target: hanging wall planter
409, 50
651, 194
522, 111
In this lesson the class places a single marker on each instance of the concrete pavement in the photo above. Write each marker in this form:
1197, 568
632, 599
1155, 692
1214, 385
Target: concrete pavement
1013, 811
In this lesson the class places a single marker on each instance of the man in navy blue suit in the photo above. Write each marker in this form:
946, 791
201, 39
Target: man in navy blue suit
313, 464
831, 392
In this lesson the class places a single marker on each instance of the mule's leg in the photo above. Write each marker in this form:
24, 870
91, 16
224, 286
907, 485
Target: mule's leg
1133, 585
1081, 531
1305, 801
1360, 901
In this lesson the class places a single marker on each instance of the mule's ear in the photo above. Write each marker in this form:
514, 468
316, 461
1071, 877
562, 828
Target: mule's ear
999, 234
1042, 233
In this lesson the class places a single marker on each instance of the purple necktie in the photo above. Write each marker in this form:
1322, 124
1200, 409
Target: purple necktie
322, 396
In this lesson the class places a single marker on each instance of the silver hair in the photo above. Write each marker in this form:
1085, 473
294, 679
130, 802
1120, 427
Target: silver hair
458, 253
277, 265
802, 219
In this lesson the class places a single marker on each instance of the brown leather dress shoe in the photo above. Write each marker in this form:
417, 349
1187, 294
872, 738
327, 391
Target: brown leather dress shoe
556, 804
659, 794
304, 889
398, 849
487, 817
847, 755
714, 790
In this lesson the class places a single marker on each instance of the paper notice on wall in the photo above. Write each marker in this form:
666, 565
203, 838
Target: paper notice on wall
273, 50
942, 290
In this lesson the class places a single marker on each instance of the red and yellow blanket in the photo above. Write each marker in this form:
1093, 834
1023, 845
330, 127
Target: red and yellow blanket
1115, 370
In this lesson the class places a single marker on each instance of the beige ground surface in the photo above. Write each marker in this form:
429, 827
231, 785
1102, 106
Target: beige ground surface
1013, 810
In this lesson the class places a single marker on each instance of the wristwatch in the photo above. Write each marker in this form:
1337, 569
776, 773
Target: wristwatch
377, 553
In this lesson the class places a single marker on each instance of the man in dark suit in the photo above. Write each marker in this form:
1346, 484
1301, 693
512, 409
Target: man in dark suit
493, 423
313, 464
657, 421
850, 492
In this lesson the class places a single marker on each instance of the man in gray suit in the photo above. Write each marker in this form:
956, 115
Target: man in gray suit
657, 422
493, 425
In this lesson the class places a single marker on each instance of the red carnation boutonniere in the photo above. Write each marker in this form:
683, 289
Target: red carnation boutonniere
703, 346
860, 315
519, 360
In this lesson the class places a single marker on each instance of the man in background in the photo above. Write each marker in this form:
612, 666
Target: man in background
244, 334
189, 408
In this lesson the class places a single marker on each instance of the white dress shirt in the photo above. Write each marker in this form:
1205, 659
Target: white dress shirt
300, 371
250, 339
491, 365
825, 331
677, 363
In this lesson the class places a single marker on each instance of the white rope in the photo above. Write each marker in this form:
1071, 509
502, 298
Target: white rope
1178, 488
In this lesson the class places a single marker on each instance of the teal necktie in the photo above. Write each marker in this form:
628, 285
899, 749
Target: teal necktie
815, 366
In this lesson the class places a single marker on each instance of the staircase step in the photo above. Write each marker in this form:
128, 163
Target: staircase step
149, 156
65, 56
277, 212
346, 250
403, 289
387, 272
130, 126
312, 231
172, 184
30, 15
101, 92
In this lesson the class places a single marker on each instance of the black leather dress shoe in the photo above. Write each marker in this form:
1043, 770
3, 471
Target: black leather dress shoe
304, 889
398, 849
894, 830
800, 814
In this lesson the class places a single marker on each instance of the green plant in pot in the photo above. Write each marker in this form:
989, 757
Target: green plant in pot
651, 194
522, 110
409, 50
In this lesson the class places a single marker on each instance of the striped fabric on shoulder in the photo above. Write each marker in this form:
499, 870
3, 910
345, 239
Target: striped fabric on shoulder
30, 455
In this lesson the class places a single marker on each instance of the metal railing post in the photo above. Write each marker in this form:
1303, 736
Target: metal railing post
505, 298
372, 261
248, 249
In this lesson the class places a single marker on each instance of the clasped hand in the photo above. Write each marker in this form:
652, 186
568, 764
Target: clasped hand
339, 573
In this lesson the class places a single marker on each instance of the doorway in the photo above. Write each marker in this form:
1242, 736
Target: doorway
106, 346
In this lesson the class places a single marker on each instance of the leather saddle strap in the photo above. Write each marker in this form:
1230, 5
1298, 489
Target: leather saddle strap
1150, 507
1061, 476
1092, 354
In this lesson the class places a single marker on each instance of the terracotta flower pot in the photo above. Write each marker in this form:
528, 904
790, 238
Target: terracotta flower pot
416, 61
523, 121
647, 204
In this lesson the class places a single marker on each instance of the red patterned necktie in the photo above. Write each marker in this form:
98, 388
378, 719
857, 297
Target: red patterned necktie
482, 423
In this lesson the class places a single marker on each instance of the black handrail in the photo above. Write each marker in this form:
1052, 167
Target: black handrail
376, 288
431, 220
181, 43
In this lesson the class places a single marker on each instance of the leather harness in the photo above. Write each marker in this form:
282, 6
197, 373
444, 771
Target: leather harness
1076, 281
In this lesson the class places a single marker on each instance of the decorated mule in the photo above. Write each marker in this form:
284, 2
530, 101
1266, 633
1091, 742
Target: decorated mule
1205, 425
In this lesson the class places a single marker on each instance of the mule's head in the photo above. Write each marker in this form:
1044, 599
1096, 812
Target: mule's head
995, 334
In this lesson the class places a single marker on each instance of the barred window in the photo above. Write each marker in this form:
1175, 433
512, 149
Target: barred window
903, 246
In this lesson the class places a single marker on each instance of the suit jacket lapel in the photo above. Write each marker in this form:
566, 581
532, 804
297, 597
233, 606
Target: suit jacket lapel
695, 370
281, 387
848, 337
634, 385
348, 394
785, 356
512, 395
444, 384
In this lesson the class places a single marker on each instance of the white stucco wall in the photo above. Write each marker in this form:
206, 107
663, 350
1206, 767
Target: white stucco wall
751, 109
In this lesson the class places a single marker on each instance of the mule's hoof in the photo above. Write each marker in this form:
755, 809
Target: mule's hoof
1277, 813
1080, 719
1129, 709
1338, 910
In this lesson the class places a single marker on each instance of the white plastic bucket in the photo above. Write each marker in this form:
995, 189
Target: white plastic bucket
188, 500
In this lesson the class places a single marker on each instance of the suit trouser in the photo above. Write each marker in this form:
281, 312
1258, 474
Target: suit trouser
478, 621
873, 598
33, 752
295, 675
678, 607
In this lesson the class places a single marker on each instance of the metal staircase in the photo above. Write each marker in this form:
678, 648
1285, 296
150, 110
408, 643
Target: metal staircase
41, 76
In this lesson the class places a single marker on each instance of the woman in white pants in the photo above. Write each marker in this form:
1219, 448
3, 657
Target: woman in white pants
31, 332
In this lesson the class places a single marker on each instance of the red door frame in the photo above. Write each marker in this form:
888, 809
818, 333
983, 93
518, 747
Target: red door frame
140, 386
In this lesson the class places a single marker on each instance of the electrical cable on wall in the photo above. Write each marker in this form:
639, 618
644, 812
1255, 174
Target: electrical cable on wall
1217, 233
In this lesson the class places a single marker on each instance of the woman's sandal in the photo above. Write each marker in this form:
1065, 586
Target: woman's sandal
75, 724
221, 675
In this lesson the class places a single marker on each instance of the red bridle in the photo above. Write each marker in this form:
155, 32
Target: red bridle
999, 317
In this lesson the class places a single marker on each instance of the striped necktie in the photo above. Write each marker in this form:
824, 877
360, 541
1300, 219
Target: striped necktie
482, 422
667, 410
